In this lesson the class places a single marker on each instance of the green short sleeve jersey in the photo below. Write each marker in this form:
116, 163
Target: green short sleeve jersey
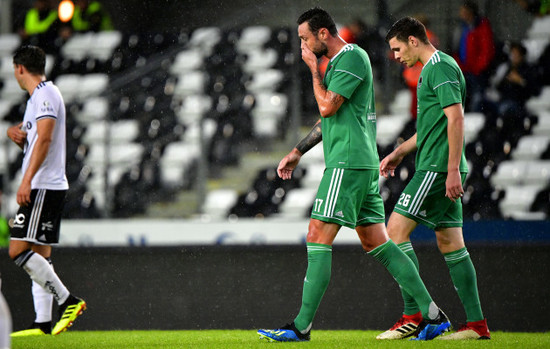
349, 136
441, 84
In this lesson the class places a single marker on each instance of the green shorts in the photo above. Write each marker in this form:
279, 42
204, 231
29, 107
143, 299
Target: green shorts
424, 201
349, 198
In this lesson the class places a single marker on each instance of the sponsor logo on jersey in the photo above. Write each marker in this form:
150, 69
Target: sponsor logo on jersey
46, 107
29, 125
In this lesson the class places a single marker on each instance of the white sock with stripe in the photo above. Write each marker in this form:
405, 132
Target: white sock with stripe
43, 274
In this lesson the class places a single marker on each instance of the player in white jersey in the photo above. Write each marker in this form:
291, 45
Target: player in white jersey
41, 193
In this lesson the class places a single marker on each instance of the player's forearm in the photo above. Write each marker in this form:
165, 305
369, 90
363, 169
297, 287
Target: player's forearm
455, 134
326, 102
406, 147
39, 153
312, 139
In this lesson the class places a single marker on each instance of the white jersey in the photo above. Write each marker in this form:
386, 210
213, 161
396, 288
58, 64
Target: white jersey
46, 102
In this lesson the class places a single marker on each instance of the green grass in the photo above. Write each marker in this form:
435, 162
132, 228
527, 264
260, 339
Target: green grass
249, 339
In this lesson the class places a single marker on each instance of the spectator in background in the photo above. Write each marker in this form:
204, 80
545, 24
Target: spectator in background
41, 25
90, 15
515, 80
411, 75
474, 52
535, 7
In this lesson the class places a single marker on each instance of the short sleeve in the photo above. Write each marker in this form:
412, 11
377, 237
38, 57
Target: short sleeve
445, 82
47, 105
348, 73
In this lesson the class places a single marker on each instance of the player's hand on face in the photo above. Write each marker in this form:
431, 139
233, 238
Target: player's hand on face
308, 56
24, 194
453, 186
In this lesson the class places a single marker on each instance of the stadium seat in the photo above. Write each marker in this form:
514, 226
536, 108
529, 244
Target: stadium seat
190, 83
297, 203
314, 174
265, 81
93, 110
518, 199
314, 156
401, 104
218, 203
473, 123
388, 127
267, 113
538, 173
12, 91
8, 43
193, 108
510, 173
260, 60
78, 46
540, 28
120, 132
543, 124
5, 108
192, 134
252, 38
535, 47
187, 60
531, 147
6, 68
68, 85
91, 85
103, 44
540, 103
205, 39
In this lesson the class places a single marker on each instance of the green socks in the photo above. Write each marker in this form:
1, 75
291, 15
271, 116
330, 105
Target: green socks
410, 306
405, 273
464, 279
319, 267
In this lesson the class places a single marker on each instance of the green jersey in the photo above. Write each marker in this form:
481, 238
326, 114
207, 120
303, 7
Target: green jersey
441, 84
349, 136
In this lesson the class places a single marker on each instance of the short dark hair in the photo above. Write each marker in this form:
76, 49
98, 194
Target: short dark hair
317, 19
32, 58
406, 27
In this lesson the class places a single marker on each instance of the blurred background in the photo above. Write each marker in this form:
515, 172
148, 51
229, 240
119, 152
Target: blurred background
179, 112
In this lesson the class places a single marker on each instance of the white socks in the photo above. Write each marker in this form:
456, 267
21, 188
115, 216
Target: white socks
43, 274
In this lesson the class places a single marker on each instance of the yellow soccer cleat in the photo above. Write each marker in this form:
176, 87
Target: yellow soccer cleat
69, 311
36, 329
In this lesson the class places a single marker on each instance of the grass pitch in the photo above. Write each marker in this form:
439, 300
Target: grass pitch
249, 339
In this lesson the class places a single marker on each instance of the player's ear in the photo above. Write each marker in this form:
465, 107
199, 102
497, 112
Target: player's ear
413, 40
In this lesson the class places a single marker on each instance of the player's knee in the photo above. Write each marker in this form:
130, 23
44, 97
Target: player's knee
20, 257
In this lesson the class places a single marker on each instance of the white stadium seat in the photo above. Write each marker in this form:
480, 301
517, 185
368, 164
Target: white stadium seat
510, 173
218, 202
190, 83
259, 60
265, 81
8, 43
473, 123
253, 38
543, 124
538, 172
187, 60
388, 127
93, 110
104, 43
531, 147
297, 202
401, 103
518, 199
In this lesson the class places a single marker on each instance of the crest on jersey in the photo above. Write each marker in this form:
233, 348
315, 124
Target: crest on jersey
46, 107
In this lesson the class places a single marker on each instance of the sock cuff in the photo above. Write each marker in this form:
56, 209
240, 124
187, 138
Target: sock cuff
405, 246
379, 249
23, 257
456, 256
313, 247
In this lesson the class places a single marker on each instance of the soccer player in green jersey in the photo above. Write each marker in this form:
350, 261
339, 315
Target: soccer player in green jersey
348, 194
433, 196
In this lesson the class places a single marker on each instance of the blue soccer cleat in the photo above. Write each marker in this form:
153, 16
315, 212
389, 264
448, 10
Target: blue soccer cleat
288, 333
429, 329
